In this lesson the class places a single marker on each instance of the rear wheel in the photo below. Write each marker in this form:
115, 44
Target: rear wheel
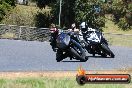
59, 56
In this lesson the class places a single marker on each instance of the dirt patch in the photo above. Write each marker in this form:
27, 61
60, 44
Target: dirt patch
12, 75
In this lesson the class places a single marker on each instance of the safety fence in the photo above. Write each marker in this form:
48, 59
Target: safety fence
43, 34
24, 33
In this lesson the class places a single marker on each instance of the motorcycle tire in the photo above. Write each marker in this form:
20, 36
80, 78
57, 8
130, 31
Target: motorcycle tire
104, 55
93, 54
59, 56
81, 57
107, 50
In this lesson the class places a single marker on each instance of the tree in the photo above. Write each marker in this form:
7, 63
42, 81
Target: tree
10, 2
5, 6
42, 3
42, 20
85, 10
76, 11
67, 13
122, 11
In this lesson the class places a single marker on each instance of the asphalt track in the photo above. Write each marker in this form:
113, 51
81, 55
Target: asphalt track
17, 55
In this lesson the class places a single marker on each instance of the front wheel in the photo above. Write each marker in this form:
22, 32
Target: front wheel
79, 56
77, 51
107, 50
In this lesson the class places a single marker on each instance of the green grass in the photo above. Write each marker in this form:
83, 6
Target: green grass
53, 83
117, 40
111, 27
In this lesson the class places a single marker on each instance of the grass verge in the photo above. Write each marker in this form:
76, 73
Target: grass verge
54, 83
117, 40
53, 80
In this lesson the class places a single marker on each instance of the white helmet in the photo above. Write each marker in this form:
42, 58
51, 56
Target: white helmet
83, 25
73, 25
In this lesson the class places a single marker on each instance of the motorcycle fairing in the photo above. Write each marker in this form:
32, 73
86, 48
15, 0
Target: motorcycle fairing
94, 36
63, 40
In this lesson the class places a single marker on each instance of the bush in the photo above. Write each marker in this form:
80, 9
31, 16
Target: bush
21, 15
4, 8
100, 22
123, 24
129, 15
122, 13
42, 19
107, 8
28, 16
10, 2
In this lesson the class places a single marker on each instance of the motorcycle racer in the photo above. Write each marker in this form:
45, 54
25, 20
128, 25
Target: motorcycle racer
54, 32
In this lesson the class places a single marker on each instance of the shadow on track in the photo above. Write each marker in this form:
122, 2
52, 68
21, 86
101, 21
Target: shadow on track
71, 61
98, 57
76, 60
85, 61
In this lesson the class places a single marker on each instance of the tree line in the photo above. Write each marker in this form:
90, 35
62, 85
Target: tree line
91, 11
75, 11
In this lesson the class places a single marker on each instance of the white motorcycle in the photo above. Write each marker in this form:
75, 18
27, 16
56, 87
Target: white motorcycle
97, 44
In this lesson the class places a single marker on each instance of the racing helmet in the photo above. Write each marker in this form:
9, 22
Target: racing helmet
83, 26
73, 25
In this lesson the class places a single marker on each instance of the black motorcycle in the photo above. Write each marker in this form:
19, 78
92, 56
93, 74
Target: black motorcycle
68, 47
97, 44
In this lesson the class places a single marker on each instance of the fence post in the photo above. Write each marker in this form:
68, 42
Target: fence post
20, 32
1, 30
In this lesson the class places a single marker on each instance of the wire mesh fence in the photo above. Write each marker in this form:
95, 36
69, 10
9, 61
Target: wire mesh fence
24, 33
